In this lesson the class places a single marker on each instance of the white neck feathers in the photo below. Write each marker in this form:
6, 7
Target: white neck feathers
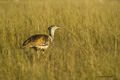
51, 34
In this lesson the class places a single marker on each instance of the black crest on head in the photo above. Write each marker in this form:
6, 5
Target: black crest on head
50, 27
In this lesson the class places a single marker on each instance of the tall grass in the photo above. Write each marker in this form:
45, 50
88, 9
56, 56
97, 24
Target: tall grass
87, 47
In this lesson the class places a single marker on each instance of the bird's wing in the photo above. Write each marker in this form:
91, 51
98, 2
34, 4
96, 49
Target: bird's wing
37, 40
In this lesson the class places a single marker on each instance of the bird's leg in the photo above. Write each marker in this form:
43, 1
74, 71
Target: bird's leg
36, 49
34, 55
43, 51
38, 54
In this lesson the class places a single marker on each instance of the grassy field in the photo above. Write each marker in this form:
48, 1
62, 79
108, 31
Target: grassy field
87, 47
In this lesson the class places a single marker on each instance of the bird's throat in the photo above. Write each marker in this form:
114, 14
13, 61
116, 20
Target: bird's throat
51, 34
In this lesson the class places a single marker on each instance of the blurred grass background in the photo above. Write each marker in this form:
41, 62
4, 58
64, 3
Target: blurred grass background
87, 47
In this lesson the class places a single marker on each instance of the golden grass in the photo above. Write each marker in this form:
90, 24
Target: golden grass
87, 47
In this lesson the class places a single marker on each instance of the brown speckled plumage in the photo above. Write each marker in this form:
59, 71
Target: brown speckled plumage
36, 40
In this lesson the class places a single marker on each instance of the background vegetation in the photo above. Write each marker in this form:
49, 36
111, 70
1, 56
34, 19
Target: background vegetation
87, 47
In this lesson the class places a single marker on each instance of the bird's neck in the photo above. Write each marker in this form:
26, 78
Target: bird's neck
51, 34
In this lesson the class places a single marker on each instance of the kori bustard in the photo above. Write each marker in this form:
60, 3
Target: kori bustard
40, 41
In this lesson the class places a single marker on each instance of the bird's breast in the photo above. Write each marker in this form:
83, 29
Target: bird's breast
42, 47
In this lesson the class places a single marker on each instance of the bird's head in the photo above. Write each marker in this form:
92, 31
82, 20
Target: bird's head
53, 28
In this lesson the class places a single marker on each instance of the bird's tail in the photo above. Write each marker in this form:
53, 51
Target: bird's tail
22, 47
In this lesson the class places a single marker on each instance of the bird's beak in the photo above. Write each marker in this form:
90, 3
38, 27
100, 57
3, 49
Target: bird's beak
58, 27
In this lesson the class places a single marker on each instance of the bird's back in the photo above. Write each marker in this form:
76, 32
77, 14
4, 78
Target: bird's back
36, 40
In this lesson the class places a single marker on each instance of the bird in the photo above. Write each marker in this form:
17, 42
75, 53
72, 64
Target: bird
40, 41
